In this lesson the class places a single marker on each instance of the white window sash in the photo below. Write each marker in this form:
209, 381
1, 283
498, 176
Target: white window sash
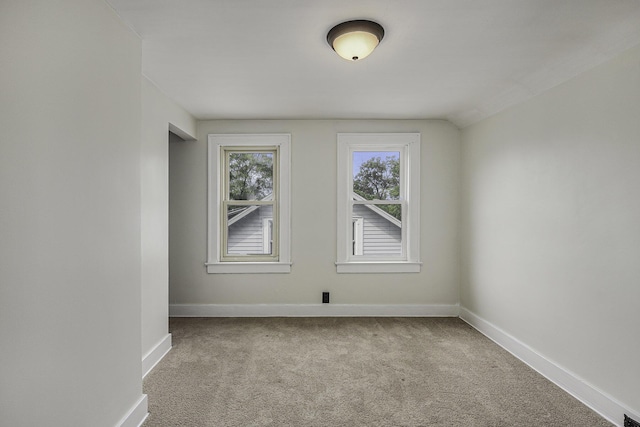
226, 202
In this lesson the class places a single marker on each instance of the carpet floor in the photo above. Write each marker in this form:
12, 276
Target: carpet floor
348, 372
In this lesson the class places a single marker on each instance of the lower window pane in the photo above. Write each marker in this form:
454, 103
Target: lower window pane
250, 230
376, 230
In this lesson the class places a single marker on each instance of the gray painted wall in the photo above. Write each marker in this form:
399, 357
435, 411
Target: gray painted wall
551, 225
313, 228
70, 298
158, 112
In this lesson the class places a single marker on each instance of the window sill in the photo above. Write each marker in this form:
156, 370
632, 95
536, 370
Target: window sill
249, 267
378, 267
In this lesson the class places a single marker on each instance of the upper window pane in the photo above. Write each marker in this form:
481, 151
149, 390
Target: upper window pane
250, 175
376, 174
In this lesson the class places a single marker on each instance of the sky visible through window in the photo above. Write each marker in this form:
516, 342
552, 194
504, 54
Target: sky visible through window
359, 157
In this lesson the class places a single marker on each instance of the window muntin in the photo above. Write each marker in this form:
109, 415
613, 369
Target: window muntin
378, 202
249, 203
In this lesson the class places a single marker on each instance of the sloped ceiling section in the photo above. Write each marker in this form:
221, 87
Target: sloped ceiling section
461, 60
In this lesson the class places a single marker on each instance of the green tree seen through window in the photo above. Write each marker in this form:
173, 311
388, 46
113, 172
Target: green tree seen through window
379, 179
250, 175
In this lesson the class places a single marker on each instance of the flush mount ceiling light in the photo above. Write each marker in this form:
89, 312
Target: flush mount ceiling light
354, 40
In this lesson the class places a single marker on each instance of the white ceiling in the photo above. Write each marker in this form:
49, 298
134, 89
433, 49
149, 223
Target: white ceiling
460, 60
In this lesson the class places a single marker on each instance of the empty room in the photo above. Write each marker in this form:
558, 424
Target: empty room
319, 213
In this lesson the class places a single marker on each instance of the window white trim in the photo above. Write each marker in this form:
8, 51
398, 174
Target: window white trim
378, 267
408, 144
249, 267
216, 144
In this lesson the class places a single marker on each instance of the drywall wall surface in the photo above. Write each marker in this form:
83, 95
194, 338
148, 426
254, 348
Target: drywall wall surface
158, 112
551, 225
313, 228
69, 214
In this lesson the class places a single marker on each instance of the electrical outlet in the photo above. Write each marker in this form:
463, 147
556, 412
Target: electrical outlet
628, 422
325, 297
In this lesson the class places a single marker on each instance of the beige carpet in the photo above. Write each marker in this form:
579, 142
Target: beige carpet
348, 372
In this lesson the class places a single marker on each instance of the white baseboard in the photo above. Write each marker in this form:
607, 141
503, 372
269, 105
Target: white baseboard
313, 310
151, 359
136, 415
600, 402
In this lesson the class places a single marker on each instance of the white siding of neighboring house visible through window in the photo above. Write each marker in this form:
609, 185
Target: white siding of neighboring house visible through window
246, 234
382, 234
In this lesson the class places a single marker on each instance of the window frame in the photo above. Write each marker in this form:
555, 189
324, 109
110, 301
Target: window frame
408, 145
225, 202
218, 147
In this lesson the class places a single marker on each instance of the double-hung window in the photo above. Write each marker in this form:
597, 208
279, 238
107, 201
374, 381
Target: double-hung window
378, 205
249, 203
